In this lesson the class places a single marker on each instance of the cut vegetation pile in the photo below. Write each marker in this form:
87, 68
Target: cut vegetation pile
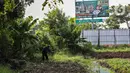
55, 67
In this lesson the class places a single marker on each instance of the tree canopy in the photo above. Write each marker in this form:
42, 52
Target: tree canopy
119, 14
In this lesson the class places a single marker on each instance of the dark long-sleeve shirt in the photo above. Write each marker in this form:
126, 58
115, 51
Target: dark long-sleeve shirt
46, 50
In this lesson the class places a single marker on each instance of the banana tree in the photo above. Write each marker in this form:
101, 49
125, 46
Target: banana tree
24, 41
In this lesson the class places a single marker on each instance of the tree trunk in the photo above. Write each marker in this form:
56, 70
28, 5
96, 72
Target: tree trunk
127, 24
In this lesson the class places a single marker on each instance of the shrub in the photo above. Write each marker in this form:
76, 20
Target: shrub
5, 69
81, 48
86, 49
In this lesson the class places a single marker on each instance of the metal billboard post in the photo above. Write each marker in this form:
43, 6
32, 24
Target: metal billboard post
83, 29
92, 21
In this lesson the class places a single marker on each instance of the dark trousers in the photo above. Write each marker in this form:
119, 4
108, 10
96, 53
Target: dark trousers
44, 56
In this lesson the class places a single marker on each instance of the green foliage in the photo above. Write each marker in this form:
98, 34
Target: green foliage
88, 26
14, 9
17, 40
123, 46
16, 35
112, 22
61, 32
71, 20
86, 48
66, 57
5, 43
50, 27
73, 40
9, 5
112, 50
5, 69
115, 19
63, 57
56, 19
119, 65
51, 3
24, 41
19, 33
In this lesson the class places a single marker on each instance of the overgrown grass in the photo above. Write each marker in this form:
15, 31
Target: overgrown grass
119, 65
87, 63
5, 69
63, 57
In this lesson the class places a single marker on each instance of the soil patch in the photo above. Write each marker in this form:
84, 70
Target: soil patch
107, 55
55, 67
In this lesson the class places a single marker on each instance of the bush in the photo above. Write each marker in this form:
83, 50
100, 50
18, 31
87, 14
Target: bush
86, 49
81, 48
5, 69
5, 44
74, 49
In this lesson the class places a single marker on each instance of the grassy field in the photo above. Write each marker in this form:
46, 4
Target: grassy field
60, 56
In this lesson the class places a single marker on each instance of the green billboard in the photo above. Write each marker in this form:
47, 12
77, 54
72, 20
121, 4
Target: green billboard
91, 10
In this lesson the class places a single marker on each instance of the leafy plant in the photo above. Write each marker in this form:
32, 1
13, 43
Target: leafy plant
118, 65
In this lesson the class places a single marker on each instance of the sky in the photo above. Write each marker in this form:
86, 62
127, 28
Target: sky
36, 8
68, 7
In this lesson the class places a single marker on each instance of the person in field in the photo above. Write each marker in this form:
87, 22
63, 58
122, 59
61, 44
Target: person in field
45, 52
